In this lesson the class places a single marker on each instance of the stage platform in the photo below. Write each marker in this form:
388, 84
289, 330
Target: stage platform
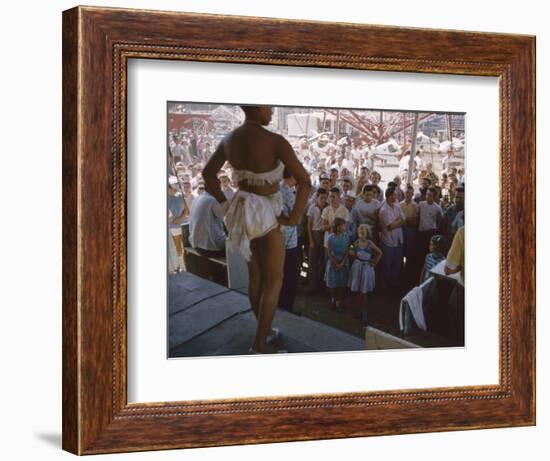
207, 319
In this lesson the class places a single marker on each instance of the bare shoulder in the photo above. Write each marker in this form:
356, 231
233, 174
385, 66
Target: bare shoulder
277, 136
279, 140
228, 136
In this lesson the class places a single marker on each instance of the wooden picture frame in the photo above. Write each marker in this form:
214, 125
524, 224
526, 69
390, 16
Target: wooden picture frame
97, 43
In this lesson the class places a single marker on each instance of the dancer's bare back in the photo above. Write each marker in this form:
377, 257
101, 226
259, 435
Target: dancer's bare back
253, 148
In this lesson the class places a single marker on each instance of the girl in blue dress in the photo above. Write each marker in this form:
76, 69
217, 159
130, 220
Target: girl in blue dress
365, 257
438, 250
336, 273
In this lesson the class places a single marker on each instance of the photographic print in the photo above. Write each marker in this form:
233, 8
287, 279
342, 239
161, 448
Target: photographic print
313, 229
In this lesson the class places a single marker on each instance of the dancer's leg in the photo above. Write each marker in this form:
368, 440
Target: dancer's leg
271, 252
254, 278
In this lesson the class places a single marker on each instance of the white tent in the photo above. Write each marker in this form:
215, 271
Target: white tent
308, 124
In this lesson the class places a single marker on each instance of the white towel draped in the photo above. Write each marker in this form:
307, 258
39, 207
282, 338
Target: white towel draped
414, 300
249, 216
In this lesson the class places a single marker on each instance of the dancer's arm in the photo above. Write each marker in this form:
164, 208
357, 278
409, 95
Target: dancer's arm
286, 155
211, 183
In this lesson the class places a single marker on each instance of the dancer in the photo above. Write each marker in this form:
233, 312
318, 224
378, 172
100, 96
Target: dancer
253, 216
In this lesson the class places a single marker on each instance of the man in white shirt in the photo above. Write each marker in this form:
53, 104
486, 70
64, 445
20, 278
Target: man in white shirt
349, 200
292, 250
347, 185
369, 159
180, 152
357, 152
349, 165
334, 173
334, 210
365, 211
206, 230
188, 197
400, 193
429, 217
177, 212
391, 220
460, 177
315, 231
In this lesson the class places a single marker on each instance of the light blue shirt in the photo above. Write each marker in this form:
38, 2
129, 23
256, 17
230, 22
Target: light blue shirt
206, 229
290, 233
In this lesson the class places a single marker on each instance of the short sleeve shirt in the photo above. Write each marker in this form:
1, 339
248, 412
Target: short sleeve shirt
206, 229
314, 213
290, 232
429, 216
387, 215
175, 209
365, 213
330, 214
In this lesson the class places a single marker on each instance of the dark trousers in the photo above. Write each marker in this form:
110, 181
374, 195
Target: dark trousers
290, 279
413, 261
424, 238
456, 314
410, 243
316, 260
390, 266
185, 233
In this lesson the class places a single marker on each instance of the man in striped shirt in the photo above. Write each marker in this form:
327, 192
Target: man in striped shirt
292, 251
391, 219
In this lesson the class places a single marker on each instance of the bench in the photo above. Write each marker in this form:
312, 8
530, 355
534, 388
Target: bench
210, 268
230, 271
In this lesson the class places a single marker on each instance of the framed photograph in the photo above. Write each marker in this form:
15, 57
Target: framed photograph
279, 230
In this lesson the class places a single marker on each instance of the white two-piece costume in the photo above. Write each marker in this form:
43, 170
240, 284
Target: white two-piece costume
248, 216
